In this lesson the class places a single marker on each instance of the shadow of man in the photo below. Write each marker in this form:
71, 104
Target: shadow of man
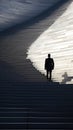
49, 66
66, 78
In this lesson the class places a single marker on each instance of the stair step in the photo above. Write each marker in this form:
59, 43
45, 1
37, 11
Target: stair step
35, 107
36, 125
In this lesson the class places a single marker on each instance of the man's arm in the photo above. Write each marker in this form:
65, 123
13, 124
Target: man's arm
53, 63
45, 64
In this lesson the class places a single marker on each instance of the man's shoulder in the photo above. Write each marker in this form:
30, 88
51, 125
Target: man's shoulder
46, 59
51, 58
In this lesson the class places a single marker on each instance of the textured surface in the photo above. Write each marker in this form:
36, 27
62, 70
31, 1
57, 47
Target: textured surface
57, 40
39, 105
16, 11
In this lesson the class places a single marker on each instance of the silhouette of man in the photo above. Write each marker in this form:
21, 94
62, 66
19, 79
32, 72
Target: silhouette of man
49, 66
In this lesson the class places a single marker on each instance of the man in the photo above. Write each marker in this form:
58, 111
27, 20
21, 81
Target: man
49, 66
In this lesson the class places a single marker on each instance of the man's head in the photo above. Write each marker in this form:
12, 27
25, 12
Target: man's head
48, 55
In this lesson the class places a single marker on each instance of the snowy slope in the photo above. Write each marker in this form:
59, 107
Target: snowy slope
14, 11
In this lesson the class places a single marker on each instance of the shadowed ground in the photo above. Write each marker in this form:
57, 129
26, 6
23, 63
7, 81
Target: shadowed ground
14, 43
27, 99
36, 105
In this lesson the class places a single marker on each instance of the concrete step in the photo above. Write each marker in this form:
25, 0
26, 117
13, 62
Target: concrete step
29, 118
36, 106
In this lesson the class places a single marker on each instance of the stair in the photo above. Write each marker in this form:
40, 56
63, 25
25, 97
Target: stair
36, 106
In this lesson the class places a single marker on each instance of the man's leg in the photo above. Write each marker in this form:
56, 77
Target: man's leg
50, 75
47, 73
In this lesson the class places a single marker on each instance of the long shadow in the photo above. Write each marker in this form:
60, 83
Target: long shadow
36, 95
30, 73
